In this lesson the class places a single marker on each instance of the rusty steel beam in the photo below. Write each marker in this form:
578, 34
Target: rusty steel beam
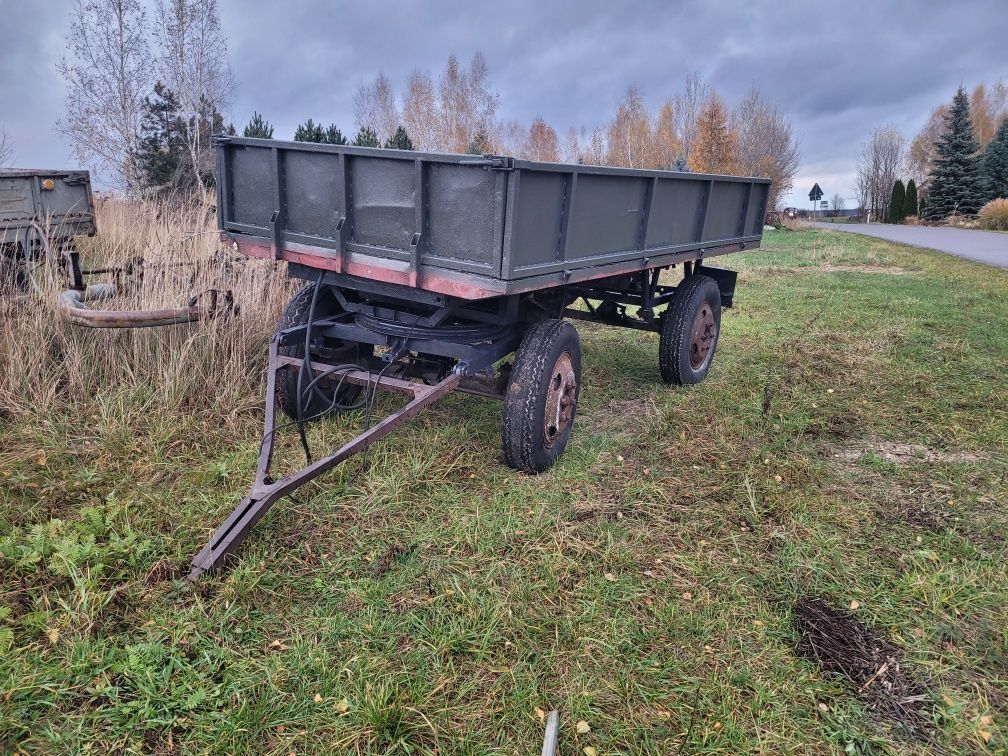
73, 308
266, 491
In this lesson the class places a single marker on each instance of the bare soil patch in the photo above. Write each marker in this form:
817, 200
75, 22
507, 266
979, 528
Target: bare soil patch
838, 643
890, 270
621, 416
905, 454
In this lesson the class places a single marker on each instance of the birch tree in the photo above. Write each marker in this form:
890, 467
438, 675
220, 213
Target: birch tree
107, 73
192, 62
420, 113
878, 167
375, 108
629, 137
666, 145
6, 147
766, 144
542, 143
688, 103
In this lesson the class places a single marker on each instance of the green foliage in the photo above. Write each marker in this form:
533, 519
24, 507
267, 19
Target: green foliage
163, 158
480, 145
101, 541
333, 135
400, 140
258, 128
910, 200
162, 154
366, 137
953, 188
309, 131
896, 201
340, 639
994, 165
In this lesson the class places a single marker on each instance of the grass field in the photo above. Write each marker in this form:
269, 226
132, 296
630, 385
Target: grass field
850, 445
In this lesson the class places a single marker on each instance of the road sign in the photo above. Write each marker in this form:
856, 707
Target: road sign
824, 203
816, 194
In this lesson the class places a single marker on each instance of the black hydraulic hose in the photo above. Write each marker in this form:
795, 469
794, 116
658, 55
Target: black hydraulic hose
306, 363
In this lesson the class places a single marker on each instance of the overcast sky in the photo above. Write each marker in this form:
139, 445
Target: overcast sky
838, 70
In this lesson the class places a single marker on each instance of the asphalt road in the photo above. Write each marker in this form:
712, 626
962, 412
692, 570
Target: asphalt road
986, 246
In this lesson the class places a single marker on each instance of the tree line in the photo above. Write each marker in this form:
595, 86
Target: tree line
957, 163
146, 91
692, 130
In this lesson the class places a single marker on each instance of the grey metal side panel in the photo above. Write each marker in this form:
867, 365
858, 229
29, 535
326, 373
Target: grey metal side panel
66, 210
725, 212
391, 204
674, 219
535, 222
493, 218
563, 219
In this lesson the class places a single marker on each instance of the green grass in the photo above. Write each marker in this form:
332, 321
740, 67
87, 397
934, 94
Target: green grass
645, 585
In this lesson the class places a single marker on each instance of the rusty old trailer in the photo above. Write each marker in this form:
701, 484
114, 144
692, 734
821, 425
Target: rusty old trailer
41, 214
470, 226
430, 273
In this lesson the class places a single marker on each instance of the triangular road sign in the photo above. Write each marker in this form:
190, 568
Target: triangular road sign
816, 194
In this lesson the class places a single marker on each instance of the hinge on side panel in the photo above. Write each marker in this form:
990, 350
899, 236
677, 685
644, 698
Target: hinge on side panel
492, 162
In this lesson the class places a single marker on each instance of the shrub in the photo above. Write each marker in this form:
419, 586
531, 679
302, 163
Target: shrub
912, 220
994, 215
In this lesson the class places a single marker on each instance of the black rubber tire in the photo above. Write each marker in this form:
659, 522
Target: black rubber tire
294, 314
674, 345
523, 430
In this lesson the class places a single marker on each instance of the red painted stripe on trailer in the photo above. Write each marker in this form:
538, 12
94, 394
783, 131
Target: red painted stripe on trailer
439, 281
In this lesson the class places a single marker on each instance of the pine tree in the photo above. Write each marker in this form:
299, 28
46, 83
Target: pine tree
162, 152
258, 128
953, 186
479, 145
309, 131
366, 137
896, 201
910, 202
399, 141
333, 135
994, 165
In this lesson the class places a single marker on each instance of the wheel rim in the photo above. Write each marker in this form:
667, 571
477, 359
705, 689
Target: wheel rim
559, 399
702, 336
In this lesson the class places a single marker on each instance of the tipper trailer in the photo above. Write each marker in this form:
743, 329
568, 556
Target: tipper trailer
427, 273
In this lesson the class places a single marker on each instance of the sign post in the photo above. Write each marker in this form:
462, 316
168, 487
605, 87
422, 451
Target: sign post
814, 196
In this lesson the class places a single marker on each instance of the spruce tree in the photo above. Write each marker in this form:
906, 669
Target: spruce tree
896, 202
309, 131
953, 186
333, 135
994, 165
366, 137
258, 128
910, 203
399, 141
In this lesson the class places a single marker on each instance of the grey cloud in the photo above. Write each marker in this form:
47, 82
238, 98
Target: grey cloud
837, 71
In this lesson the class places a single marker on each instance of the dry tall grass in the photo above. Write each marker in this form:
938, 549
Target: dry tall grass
994, 215
170, 252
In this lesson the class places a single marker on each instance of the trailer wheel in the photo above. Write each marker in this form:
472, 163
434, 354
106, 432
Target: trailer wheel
689, 331
542, 396
294, 314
